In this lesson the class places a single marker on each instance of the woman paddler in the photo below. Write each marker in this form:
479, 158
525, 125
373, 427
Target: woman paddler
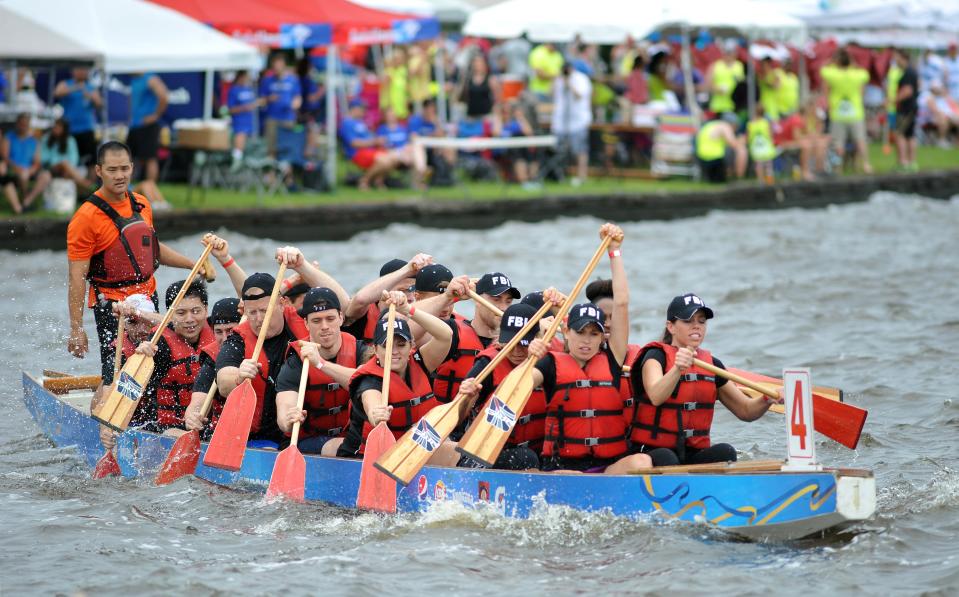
675, 398
585, 428
411, 393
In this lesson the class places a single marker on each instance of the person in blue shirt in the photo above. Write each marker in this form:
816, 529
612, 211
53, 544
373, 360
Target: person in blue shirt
510, 121
21, 152
149, 98
80, 101
281, 91
395, 134
360, 145
242, 103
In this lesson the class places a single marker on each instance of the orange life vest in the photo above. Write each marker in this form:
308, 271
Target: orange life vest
175, 389
326, 402
531, 424
409, 402
295, 324
584, 417
686, 415
452, 372
133, 256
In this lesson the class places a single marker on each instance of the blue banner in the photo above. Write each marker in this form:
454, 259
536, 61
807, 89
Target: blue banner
411, 30
301, 35
185, 97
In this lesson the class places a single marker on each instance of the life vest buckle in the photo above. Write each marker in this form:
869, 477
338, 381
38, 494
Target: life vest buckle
335, 410
524, 419
629, 401
582, 383
591, 441
690, 405
332, 387
588, 413
334, 432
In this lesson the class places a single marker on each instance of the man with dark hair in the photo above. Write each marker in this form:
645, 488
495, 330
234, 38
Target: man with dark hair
112, 245
176, 359
907, 110
847, 114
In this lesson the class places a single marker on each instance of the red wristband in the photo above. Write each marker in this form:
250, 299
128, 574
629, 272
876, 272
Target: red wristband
412, 310
229, 263
615, 253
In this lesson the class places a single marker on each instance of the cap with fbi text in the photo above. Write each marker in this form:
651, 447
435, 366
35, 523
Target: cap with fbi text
515, 318
400, 328
685, 306
495, 284
583, 314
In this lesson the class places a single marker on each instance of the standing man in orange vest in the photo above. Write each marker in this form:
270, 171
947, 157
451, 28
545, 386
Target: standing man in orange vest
112, 245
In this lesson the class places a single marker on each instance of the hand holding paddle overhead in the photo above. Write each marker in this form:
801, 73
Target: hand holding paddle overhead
378, 491
289, 470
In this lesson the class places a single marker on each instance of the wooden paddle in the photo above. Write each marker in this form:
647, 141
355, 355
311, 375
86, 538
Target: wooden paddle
478, 299
378, 491
485, 438
185, 453
836, 420
289, 470
117, 410
824, 391
228, 444
417, 445
108, 465
62, 385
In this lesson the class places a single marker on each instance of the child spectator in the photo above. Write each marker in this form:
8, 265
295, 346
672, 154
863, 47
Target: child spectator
762, 151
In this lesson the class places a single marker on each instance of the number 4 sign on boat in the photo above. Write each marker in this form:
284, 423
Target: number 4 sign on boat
801, 452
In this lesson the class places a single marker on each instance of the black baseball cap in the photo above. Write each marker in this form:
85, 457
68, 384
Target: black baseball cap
583, 314
433, 278
685, 306
534, 300
515, 317
319, 299
295, 291
225, 311
495, 284
391, 266
400, 327
261, 282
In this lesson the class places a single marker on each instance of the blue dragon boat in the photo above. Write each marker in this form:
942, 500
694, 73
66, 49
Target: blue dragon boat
757, 500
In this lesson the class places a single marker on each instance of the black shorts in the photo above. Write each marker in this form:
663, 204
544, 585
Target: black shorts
714, 170
144, 141
906, 124
86, 147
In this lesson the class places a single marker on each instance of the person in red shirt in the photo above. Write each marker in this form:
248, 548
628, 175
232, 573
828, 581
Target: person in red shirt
116, 266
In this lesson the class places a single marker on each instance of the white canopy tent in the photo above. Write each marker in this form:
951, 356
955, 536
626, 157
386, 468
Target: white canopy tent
599, 21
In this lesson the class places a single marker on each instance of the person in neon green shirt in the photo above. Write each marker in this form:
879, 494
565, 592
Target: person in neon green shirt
394, 89
545, 62
788, 93
768, 79
762, 149
847, 116
713, 140
722, 78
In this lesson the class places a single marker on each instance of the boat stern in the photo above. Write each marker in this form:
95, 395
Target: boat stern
856, 495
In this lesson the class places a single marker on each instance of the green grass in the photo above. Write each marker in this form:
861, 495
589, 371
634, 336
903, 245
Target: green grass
929, 158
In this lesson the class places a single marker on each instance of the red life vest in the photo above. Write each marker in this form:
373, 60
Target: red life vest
295, 324
409, 402
584, 418
625, 385
326, 402
128, 347
369, 328
531, 425
133, 256
687, 414
452, 372
175, 389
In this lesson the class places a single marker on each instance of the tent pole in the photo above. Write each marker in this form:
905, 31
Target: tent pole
331, 83
105, 105
803, 74
692, 103
750, 78
441, 99
208, 95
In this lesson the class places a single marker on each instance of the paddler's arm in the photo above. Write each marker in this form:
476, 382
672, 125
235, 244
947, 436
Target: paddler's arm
435, 350
619, 337
339, 373
232, 368
659, 386
373, 407
221, 250
371, 293
172, 258
309, 273
741, 405
77, 344
456, 290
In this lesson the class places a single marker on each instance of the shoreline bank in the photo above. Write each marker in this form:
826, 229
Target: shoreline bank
342, 221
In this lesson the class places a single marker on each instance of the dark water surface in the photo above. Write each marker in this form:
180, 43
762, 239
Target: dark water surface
863, 294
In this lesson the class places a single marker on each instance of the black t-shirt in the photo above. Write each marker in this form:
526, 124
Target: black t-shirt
275, 348
547, 366
289, 378
659, 355
910, 105
207, 374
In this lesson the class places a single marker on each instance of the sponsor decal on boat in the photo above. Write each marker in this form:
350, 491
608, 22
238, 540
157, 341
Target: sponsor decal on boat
421, 487
482, 491
439, 492
500, 498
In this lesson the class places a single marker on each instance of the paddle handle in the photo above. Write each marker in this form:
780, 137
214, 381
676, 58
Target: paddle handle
571, 298
388, 358
261, 336
735, 378
208, 401
300, 397
481, 301
118, 357
176, 302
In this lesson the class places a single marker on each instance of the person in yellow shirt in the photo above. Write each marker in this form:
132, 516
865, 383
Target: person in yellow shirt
847, 116
762, 149
722, 78
769, 81
788, 92
715, 139
545, 63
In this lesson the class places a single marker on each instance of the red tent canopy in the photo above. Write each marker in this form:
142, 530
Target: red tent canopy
344, 16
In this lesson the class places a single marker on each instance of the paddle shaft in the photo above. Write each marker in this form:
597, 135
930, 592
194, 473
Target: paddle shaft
478, 299
261, 336
208, 401
388, 357
304, 378
568, 303
118, 358
514, 341
735, 378
176, 302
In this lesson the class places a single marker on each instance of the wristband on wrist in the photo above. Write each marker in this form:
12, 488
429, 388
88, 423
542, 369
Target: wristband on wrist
229, 262
615, 253
286, 285
412, 310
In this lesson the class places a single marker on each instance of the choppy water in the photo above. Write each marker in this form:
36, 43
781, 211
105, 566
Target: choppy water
864, 294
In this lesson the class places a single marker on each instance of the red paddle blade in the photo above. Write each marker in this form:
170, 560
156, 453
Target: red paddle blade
228, 443
840, 421
182, 459
289, 476
107, 466
377, 489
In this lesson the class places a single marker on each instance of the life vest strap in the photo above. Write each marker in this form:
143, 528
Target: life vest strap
585, 383
688, 405
413, 401
587, 441
589, 413
327, 387
685, 432
530, 418
697, 377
